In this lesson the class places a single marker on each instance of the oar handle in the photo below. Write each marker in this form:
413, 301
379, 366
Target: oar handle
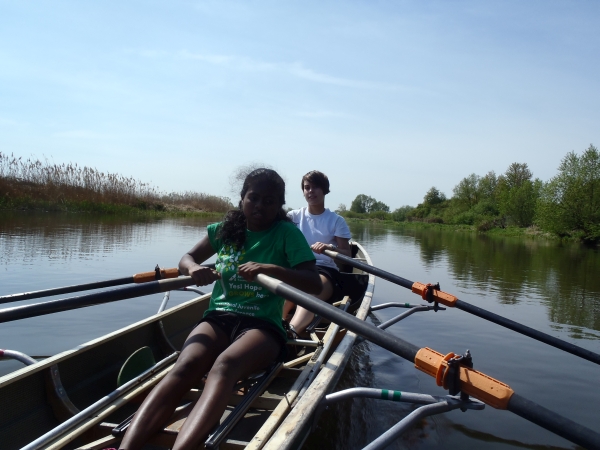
475, 383
157, 274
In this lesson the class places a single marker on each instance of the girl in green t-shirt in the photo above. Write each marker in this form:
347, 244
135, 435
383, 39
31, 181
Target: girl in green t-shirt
241, 332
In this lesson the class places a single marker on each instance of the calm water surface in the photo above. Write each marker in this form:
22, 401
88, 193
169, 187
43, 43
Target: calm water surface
555, 289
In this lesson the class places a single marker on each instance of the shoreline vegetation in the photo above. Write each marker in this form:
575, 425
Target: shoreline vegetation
39, 185
514, 204
567, 207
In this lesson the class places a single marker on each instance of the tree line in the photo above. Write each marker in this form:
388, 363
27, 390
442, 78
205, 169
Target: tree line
568, 205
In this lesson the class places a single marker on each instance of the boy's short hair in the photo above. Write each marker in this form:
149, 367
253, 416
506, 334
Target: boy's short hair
317, 178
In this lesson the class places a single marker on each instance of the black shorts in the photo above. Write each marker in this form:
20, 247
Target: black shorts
334, 277
236, 325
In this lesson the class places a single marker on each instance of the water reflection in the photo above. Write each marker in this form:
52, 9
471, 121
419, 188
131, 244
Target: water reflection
556, 287
41, 251
561, 277
26, 238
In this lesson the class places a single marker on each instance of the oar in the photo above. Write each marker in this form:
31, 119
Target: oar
53, 306
472, 382
450, 300
157, 274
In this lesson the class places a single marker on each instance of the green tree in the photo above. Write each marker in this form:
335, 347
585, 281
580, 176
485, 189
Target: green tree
402, 213
570, 202
434, 197
362, 203
365, 204
379, 206
517, 174
488, 186
467, 191
521, 202
518, 194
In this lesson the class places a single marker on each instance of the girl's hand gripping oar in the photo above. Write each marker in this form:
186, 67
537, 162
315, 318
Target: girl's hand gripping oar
144, 277
53, 306
472, 382
430, 293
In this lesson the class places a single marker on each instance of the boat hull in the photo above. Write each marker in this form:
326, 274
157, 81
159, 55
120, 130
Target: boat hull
38, 398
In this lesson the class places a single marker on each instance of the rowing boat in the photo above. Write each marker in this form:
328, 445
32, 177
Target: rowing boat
274, 409
82, 398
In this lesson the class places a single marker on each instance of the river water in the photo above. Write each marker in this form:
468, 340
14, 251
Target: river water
552, 288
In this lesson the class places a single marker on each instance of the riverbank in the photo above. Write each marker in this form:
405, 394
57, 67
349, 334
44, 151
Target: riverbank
87, 207
34, 185
532, 232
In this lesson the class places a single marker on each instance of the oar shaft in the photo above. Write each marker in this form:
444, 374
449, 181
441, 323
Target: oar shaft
475, 310
144, 277
370, 269
53, 306
551, 421
530, 332
527, 409
65, 290
392, 343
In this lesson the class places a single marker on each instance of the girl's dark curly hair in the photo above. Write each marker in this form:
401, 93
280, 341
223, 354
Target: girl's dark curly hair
233, 229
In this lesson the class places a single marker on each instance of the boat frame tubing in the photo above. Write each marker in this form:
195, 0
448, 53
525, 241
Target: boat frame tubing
82, 301
517, 404
475, 310
69, 424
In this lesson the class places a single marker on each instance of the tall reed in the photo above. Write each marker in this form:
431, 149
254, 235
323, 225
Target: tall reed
31, 180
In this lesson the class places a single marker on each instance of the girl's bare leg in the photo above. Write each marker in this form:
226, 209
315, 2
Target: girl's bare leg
253, 351
303, 317
201, 349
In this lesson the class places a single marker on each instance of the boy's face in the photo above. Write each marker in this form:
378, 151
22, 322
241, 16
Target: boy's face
312, 193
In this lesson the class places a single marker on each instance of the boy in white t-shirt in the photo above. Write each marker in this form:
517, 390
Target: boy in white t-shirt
324, 230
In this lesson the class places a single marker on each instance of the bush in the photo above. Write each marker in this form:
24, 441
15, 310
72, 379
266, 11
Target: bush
380, 215
354, 215
486, 208
465, 218
401, 214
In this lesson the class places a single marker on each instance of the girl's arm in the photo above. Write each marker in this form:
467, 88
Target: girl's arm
303, 276
190, 263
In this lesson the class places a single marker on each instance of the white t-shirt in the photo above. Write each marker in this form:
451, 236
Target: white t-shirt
320, 228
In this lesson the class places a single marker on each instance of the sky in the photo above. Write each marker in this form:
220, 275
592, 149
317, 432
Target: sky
388, 98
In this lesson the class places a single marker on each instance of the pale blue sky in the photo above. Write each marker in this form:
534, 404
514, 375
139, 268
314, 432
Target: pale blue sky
387, 98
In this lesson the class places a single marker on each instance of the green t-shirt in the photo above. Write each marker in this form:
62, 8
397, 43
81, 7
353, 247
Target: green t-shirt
282, 244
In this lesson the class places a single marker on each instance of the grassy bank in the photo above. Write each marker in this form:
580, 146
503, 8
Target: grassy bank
38, 185
29, 204
510, 231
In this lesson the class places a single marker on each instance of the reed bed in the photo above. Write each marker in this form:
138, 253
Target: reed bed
33, 183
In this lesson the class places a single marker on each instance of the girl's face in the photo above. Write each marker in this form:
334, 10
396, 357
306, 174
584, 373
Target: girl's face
260, 207
313, 194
